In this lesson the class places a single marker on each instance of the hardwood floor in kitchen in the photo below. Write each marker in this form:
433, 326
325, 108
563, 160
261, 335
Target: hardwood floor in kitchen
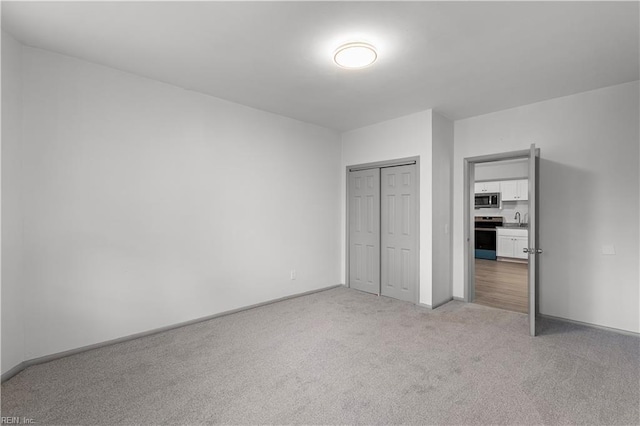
502, 285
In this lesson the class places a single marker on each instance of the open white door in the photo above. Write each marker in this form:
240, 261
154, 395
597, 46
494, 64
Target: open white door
533, 249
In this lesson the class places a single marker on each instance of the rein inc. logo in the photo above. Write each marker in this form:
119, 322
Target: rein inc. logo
16, 421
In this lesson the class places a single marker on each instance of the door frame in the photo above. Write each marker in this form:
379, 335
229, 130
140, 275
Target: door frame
379, 165
468, 201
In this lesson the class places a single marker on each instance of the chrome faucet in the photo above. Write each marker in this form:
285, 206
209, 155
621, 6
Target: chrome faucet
517, 217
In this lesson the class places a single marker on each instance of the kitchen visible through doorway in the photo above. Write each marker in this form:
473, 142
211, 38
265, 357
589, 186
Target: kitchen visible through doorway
500, 213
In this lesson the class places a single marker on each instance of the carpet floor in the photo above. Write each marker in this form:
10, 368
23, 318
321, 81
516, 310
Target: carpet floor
343, 357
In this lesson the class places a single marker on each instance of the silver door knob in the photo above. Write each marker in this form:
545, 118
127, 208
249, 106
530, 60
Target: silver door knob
532, 250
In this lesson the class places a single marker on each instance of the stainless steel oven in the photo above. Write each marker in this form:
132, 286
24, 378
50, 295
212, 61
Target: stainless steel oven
485, 236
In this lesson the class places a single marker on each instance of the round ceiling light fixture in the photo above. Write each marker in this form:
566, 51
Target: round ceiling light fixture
355, 55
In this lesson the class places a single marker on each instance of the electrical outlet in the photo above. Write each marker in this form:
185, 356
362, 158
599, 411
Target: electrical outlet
293, 274
609, 249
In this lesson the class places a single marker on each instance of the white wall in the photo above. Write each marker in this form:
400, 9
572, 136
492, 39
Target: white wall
589, 168
502, 170
146, 205
442, 132
399, 138
13, 311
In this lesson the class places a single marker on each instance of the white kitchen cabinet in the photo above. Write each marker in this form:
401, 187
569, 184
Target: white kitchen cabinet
505, 246
519, 244
511, 242
486, 187
514, 190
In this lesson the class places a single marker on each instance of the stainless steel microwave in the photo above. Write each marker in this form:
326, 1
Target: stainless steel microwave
488, 200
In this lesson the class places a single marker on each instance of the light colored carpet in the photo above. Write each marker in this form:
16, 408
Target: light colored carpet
344, 357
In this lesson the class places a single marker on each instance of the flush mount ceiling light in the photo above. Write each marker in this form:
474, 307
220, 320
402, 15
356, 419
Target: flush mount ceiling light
355, 55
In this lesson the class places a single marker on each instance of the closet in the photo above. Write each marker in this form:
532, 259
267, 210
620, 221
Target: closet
383, 230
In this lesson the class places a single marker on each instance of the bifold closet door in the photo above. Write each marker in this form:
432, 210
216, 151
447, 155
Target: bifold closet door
364, 230
399, 239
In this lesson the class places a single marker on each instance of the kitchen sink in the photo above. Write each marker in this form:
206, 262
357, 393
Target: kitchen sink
515, 225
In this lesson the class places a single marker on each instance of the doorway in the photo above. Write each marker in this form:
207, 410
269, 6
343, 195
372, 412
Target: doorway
383, 228
501, 213
501, 233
